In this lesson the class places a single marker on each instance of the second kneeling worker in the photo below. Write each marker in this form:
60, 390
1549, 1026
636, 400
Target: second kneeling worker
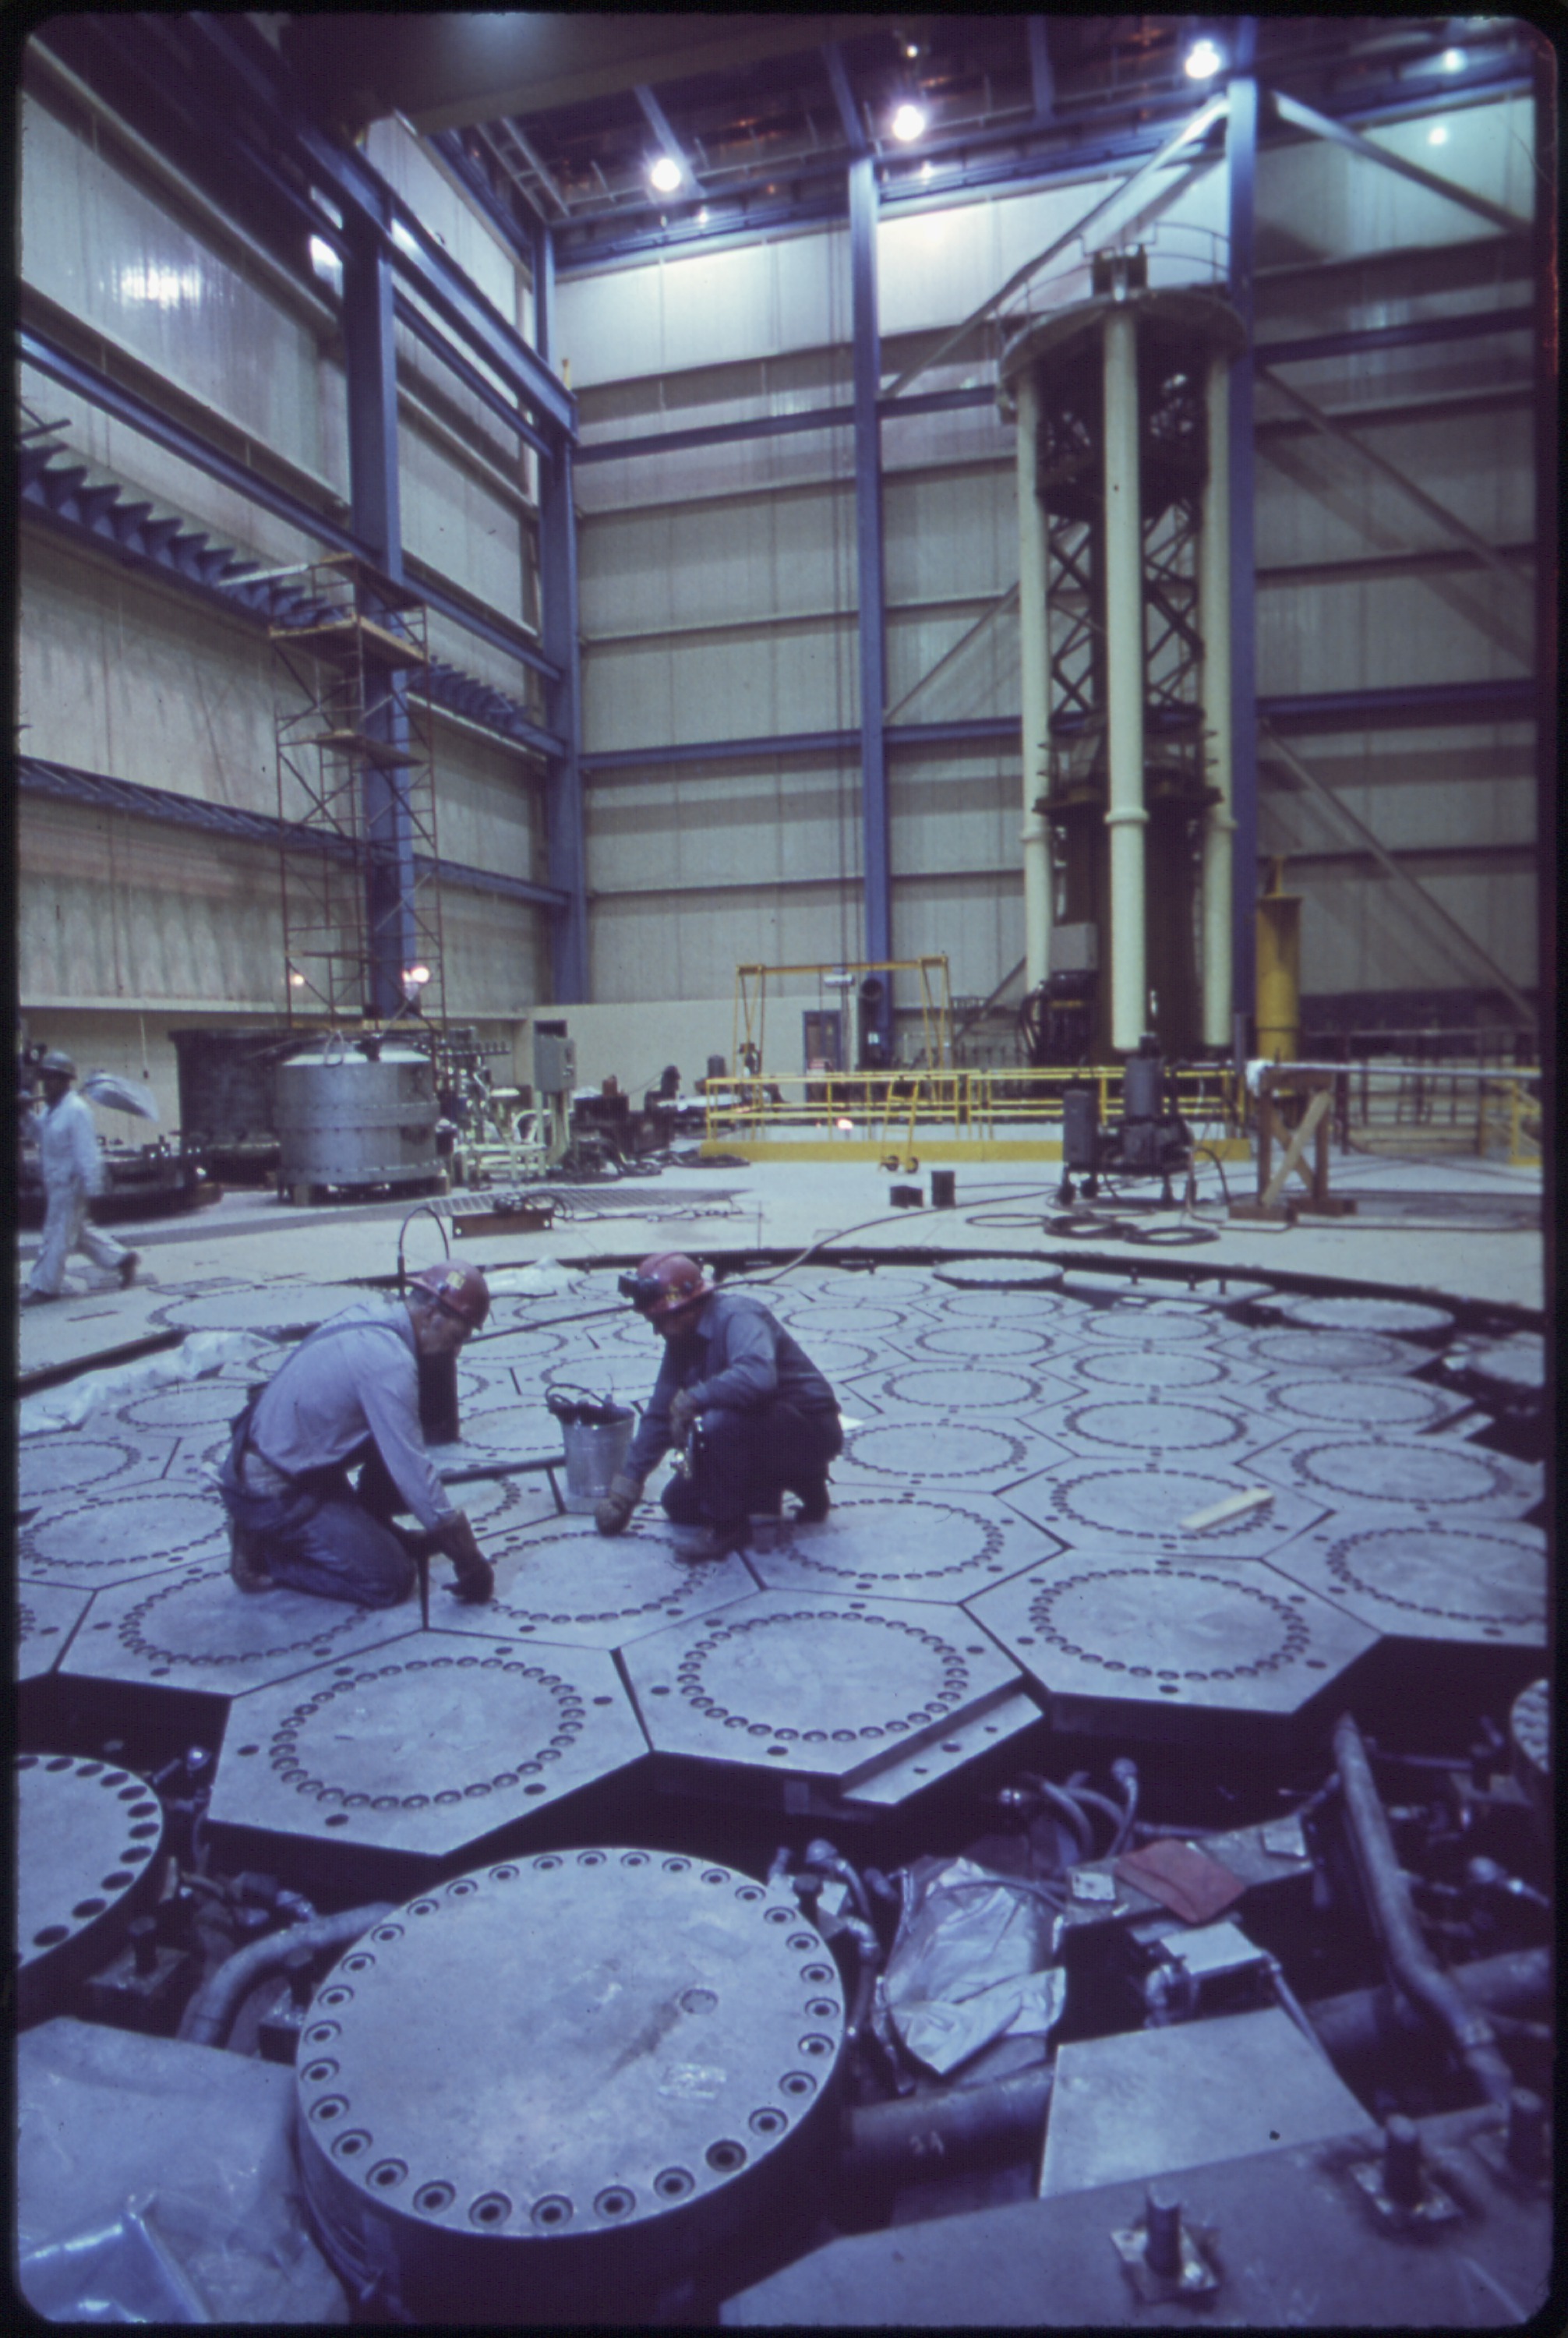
759, 1418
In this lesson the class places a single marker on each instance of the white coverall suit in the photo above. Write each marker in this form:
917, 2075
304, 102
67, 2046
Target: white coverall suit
73, 1173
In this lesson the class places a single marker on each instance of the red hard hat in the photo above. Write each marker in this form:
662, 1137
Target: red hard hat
682, 1280
459, 1290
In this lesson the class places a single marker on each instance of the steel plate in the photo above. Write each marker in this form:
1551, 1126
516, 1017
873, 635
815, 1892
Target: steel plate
65, 1458
988, 1342
494, 1504
564, 1581
119, 1538
272, 1308
1530, 1727
971, 1388
798, 1681
1201, 1637
86, 1834
1405, 1316
1042, 1309
525, 1431
518, 1348
1366, 1401
192, 1404
939, 1452
46, 1616
1428, 1474
1157, 1368
998, 1274
1517, 1367
914, 1546
569, 2070
1484, 1581
1333, 1351
427, 1745
1152, 2101
1159, 1424
837, 1319
192, 1629
1156, 1323
1100, 1505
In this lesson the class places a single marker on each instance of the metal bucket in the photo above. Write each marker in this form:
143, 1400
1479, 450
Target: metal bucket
594, 1448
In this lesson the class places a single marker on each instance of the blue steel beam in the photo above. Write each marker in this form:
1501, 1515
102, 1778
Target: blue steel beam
777, 426
843, 99
127, 405
1241, 172
867, 356
1474, 325
653, 113
1420, 703
370, 361
66, 784
241, 59
1041, 81
563, 701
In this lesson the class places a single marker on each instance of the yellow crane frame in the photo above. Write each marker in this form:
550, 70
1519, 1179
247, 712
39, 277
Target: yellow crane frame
751, 1003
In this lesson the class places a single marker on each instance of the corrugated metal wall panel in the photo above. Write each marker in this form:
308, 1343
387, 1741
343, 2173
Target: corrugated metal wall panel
1315, 200
465, 530
100, 247
487, 805
639, 952
740, 685
976, 922
449, 216
670, 314
494, 955
734, 828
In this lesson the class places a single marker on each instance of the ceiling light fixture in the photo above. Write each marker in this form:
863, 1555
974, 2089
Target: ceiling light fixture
1202, 60
909, 123
1437, 135
664, 174
1453, 61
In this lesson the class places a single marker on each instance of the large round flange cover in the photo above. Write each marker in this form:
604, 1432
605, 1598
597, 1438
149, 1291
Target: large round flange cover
87, 1836
551, 2083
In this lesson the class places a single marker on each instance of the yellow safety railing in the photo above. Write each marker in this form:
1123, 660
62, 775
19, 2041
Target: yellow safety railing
979, 1104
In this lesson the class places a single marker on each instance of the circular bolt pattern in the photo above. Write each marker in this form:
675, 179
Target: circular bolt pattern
1490, 1578
1153, 1368
1157, 1426
985, 1342
946, 1449
1398, 1316
199, 1404
119, 1538
1393, 1469
919, 1545
54, 1464
975, 1389
1332, 1352
188, 1628
86, 1833
1364, 1401
556, 2047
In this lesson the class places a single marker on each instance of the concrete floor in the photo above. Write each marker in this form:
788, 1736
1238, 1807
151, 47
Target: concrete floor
1455, 1229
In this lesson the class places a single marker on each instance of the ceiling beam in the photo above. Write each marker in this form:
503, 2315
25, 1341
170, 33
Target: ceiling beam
658, 120
844, 98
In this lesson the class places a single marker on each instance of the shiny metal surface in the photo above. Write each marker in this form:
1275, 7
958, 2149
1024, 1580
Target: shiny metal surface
342, 1120
427, 1743
272, 1308
1292, 1349
952, 1450
1155, 1423
1098, 1504
1483, 1580
562, 1581
1150, 2102
46, 1616
194, 1404
1394, 1315
92, 1458
90, 1543
830, 1686
1200, 1638
1434, 1476
1362, 1401
914, 1546
86, 1834
556, 2077
189, 1629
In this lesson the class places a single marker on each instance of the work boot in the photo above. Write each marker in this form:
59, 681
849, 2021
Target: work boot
244, 1566
127, 1270
698, 1545
814, 1502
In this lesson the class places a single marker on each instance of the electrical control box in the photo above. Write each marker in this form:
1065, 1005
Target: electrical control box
555, 1061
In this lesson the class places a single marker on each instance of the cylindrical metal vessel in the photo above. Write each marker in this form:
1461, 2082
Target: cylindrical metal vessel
346, 1118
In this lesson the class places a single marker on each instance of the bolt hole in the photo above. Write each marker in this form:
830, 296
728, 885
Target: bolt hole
433, 2197
726, 2156
339, 1818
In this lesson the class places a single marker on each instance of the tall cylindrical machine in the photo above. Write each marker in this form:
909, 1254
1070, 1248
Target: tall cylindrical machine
1124, 612
355, 1113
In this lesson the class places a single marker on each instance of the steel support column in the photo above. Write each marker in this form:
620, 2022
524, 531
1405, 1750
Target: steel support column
1035, 668
563, 701
868, 551
1126, 816
370, 363
1241, 161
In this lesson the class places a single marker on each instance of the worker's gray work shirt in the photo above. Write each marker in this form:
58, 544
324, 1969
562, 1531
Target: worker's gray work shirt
68, 1151
358, 1377
736, 1355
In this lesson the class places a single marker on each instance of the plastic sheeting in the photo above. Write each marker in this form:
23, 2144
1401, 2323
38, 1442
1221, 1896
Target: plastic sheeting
969, 1965
201, 1353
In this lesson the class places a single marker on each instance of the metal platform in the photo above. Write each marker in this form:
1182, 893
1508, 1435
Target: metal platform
1438, 1477
950, 1449
856, 1692
936, 1547
46, 1616
88, 1544
428, 1743
87, 1837
1406, 1317
189, 1629
561, 1580
1484, 1581
1101, 1504
1221, 1637
551, 2085
96, 1459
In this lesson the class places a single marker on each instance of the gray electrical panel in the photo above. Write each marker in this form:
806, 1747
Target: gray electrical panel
554, 1063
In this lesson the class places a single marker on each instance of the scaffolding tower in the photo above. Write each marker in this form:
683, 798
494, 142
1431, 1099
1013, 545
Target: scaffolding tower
356, 797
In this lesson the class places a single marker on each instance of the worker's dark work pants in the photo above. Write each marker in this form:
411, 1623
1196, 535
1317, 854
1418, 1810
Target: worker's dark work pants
324, 1537
743, 1461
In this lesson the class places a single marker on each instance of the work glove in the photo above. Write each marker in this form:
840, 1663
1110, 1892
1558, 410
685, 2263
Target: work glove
684, 1410
612, 1515
476, 1577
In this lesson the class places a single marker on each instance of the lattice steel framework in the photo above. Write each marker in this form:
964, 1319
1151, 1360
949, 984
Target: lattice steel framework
362, 911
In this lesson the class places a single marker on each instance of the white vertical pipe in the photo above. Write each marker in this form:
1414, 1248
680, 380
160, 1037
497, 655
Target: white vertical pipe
1125, 816
1035, 661
1214, 617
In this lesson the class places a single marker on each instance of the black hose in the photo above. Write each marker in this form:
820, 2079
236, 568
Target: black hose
1387, 1898
210, 2012
1064, 1804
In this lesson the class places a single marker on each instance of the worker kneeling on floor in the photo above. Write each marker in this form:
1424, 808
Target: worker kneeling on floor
347, 1398
751, 1414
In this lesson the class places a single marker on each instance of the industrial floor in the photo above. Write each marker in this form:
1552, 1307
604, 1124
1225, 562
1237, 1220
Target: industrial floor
1171, 1481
